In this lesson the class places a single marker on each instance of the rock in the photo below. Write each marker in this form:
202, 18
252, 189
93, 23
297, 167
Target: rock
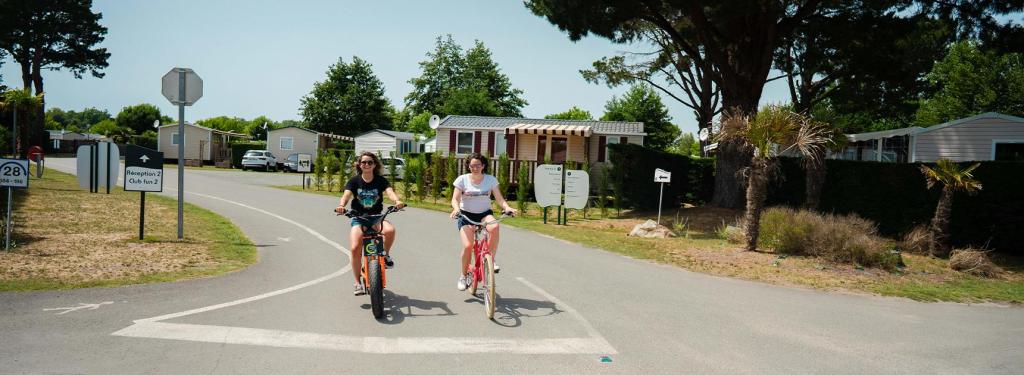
651, 229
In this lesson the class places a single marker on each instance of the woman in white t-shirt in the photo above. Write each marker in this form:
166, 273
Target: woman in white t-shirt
472, 198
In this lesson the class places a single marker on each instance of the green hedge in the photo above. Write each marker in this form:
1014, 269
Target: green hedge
238, 150
633, 168
896, 198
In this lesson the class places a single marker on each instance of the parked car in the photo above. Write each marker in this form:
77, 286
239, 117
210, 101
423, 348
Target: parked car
259, 159
399, 168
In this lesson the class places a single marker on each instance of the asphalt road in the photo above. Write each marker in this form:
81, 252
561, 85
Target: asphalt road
563, 308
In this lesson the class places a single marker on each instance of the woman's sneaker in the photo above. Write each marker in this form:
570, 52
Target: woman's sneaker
388, 262
463, 282
358, 289
497, 268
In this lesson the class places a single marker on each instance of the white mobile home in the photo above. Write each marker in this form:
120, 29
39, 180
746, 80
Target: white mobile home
387, 141
988, 136
202, 144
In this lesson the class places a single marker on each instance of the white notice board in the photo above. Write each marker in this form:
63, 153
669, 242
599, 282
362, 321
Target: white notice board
547, 185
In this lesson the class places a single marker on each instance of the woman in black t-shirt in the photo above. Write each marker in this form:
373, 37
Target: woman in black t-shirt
368, 188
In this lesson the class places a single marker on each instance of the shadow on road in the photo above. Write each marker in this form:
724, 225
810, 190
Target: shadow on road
398, 307
510, 311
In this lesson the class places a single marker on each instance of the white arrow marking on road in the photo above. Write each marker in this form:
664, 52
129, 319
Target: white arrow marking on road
144, 159
285, 239
81, 306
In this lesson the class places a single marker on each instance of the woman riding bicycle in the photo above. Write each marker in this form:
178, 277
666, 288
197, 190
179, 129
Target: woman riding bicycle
472, 199
368, 188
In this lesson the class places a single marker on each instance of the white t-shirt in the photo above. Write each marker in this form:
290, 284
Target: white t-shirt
475, 198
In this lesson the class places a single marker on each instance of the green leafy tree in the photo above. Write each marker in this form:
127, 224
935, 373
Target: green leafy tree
642, 104
421, 176
75, 121
437, 183
602, 190
51, 35
969, 81
318, 172
349, 102
18, 101
503, 172
685, 144
953, 179
522, 187
333, 167
451, 174
457, 83
772, 132
226, 123
138, 118
573, 113
112, 130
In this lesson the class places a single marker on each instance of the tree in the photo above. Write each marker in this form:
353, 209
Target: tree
52, 35
20, 101
74, 120
228, 124
138, 118
969, 81
349, 102
642, 104
737, 40
685, 144
111, 129
772, 132
457, 83
953, 179
573, 113
835, 141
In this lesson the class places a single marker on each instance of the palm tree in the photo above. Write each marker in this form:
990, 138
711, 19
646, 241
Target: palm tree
775, 130
953, 179
15, 100
815, 166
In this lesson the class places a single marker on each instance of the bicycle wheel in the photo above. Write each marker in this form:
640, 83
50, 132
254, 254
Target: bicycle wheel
376, 290
489, 290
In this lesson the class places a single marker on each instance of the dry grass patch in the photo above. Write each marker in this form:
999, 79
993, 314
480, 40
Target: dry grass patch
974, 262
66, 237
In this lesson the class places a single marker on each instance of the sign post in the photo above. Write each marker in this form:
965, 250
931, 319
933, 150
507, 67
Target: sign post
13, 174
547, 187
577, 190
305, 165
143, 171
183, 87
661, 176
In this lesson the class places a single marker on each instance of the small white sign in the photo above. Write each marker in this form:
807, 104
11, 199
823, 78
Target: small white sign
710, 147
577, 189
305, 163
547, 184
14, 173
104, 156
661, 175
143, 179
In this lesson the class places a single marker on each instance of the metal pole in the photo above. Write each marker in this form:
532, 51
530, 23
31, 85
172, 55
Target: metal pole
10, 196
142, 215
659, 201
14, 140
181, 151
107, 167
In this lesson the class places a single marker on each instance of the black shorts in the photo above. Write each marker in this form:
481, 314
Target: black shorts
477, 217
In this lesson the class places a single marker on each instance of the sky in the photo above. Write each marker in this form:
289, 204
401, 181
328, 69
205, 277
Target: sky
261, 57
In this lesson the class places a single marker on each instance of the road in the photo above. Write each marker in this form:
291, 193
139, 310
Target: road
563, 308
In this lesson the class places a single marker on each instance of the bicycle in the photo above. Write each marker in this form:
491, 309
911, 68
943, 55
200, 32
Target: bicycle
373, 276
481, 267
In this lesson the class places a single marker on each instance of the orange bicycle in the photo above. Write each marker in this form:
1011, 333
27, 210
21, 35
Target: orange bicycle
373, 277
481, 267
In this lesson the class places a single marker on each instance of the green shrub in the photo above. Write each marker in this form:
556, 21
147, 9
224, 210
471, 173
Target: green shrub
437, 180
522, 187
633, 170
503, 173
847, 239
318, 172
333, 167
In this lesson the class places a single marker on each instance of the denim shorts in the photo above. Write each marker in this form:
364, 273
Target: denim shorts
477, 217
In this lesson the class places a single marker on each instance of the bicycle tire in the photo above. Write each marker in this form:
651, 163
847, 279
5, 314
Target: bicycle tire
376, 289
490, 291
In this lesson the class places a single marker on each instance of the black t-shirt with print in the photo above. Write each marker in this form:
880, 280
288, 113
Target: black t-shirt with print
368, 197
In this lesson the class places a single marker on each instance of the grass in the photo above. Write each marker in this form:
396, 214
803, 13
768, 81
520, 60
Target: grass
65, 237
698, 248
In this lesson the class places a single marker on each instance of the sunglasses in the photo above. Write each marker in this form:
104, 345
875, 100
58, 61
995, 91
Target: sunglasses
476, 165
367, 162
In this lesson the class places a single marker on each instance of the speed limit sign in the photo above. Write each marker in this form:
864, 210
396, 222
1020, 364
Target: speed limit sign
14, 173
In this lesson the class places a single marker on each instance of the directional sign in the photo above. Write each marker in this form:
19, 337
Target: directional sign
143, 169
14, 173
170, 86
547, 185
305, 163
661, 175
577, 189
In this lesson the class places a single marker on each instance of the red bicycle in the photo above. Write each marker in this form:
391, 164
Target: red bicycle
373, 277
481, 267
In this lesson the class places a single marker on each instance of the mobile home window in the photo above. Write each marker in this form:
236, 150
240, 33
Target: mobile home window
175, 139
464, 143
609, 141
286, 143
1009, 151
406, 147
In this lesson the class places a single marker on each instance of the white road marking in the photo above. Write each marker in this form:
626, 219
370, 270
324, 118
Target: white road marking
154, 328
285, 239
81, 306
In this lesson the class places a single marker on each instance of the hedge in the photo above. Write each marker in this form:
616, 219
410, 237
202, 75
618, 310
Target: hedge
633, 167
894, 196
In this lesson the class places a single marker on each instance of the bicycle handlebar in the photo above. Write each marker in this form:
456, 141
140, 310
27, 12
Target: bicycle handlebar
351, 214
504, 215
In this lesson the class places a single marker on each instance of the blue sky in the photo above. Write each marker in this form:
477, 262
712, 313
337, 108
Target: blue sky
260, 57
